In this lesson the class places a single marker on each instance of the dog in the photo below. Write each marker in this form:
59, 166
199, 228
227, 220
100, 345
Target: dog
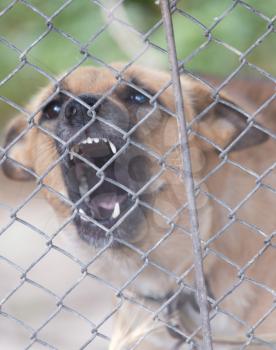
103, 144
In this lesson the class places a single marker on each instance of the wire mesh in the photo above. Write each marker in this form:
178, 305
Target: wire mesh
224, 297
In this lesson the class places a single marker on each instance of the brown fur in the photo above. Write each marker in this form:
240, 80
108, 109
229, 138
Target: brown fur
36, 150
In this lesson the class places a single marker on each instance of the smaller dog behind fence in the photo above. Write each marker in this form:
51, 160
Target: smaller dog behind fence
104, 148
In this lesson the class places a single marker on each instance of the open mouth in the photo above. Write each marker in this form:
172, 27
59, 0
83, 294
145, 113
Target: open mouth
101, 199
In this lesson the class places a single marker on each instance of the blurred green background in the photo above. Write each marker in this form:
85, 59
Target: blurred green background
84, 20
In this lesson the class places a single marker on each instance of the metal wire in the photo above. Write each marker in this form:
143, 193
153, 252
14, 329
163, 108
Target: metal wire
201, 336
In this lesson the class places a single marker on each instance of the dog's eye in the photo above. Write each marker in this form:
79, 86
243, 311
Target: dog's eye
52, 110
138, 97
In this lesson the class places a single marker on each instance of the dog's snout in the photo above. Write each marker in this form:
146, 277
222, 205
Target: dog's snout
77, 113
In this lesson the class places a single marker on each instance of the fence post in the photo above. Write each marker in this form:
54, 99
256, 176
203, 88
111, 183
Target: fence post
187, 170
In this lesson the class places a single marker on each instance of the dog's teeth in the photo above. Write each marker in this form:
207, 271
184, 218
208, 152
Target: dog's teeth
96, 140
89, 140
81, 211
83, 188
104, 140
116, 211
113, 147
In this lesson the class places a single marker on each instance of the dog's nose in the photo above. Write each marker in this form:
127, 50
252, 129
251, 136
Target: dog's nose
76, 113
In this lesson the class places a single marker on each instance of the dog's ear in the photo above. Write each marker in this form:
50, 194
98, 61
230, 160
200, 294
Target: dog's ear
223, 123
19, 154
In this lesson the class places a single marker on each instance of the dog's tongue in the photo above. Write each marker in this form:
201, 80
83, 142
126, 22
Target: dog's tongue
106, 200
102, 206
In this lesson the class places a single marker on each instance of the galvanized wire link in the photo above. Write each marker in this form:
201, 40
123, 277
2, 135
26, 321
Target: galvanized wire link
115, 13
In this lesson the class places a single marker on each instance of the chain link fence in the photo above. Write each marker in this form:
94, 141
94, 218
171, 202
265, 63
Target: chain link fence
192, 269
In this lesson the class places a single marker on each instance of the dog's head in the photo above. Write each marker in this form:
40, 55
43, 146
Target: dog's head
107, 155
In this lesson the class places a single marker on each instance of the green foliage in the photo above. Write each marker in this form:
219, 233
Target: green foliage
81, 21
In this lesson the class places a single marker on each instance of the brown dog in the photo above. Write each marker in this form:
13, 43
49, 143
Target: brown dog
113, 174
